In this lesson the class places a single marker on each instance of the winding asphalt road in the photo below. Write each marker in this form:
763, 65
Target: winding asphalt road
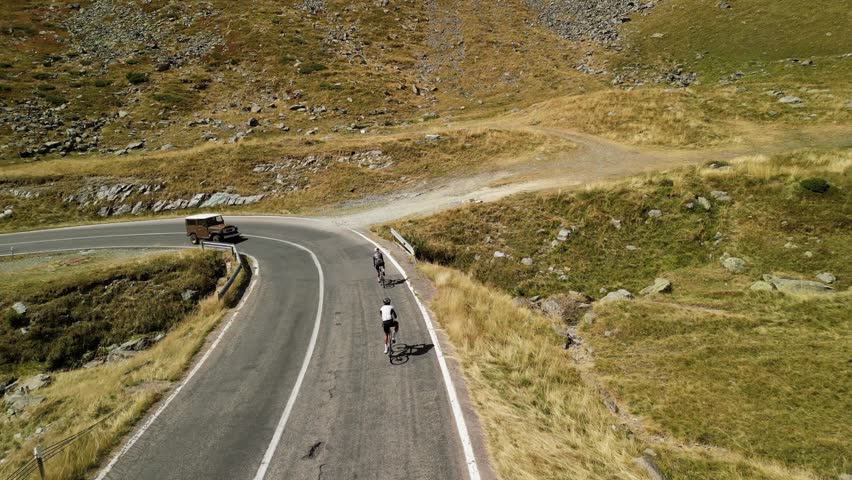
297, 385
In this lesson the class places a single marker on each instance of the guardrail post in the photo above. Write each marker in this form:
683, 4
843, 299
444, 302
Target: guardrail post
403, 242
39, 461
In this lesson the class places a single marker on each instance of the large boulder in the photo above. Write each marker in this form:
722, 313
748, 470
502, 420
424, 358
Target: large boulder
661, 285
826, 277
616, 296
34, 383
791, 285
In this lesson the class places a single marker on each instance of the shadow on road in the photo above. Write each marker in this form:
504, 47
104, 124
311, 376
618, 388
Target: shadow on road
403, 352
391, 283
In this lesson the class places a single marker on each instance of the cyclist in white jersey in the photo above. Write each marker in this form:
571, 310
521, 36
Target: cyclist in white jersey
388, 314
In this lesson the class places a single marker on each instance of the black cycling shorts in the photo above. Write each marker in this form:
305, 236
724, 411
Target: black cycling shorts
387, 324
379, 265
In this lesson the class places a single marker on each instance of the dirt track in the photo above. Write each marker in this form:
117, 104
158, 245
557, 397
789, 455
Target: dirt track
593, 160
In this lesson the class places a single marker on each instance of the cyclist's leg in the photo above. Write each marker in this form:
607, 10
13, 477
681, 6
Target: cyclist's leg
386, 328
395, 330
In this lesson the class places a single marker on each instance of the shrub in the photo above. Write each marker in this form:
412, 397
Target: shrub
75, 84
41, 76
816, 185
135, 78
54, 99
308, 68
330, 86
169, 98
5, 65
5, 88
16, 320
103, 83
132, 61
44, 87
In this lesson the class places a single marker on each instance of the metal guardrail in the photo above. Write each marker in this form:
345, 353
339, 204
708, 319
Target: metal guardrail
226, 246
403, 242
41, 456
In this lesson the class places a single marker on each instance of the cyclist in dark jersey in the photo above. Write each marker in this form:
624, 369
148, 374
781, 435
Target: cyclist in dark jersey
378, 263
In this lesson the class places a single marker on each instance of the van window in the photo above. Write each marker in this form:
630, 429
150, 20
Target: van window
190, 222
218, 220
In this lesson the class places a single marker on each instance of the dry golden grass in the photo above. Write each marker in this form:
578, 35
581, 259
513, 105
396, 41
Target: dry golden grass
126, 389
540, 420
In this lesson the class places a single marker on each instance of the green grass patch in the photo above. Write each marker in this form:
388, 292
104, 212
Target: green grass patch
713, 364
78, 304
136, 78
311, 67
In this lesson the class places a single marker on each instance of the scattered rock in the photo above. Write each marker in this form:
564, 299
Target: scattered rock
826, 277
122, 114
661, 285
791, 285
720, 196
19, 308
432, 138
733, 264
499, 254
615, 223
566, 307
527, 261
563, 235
189, 295
705, 204
655, 213
790, 100
618, 295
761, 286
724, 5
589, 318
135, 145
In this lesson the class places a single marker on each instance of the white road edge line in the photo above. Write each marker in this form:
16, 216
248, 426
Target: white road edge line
138, 434
461, 425
282, 422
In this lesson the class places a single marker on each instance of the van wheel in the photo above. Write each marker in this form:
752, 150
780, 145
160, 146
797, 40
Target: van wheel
217, 238
193, 239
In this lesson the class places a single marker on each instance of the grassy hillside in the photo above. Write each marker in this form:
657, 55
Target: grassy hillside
117, 393
731, 382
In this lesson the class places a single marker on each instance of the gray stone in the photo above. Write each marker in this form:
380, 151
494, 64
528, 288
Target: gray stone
789, 99
632, 248
618, 295
791, 285
499, 254
189, 295
18, 402
615, 223
590, 318
122, 114
135, 145
844, 476
826, 277
256, 108
655, 213
527, 261
19, 308
432, 138
733, 264
761, 286
661, 285
563, 234
35, 382
167, 146
705, 204
196, 200
720, 196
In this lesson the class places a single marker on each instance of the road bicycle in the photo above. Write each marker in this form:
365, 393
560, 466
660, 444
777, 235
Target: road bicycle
382, 275
391, 342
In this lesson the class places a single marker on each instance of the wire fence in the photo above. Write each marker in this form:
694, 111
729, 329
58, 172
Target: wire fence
40, 457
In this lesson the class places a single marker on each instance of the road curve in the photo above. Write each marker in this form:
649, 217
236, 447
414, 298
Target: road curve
355, 414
